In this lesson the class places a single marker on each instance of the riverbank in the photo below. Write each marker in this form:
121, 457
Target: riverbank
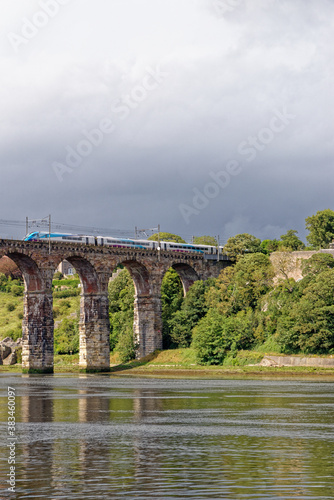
182, 363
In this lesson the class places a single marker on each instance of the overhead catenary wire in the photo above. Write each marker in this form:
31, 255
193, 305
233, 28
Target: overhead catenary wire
75, 228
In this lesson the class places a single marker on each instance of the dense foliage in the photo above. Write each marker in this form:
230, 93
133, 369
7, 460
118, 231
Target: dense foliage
66, 338
171, 300
121, 310
241, 244
12, 286
205, 240
246, 307
321, 228
166, 237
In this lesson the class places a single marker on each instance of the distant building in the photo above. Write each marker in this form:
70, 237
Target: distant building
66, 268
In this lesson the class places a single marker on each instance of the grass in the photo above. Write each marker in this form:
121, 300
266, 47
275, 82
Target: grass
176, 363
63, 308
270, 346
243, 358
11, 315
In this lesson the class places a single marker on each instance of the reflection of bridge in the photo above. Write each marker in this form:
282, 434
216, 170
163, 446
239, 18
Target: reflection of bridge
94, 265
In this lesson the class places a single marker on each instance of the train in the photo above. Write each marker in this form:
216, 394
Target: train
124, 242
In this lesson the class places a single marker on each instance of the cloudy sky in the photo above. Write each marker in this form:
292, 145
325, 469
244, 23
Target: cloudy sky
203, 116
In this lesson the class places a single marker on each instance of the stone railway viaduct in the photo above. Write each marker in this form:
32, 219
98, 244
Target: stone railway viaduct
94, 264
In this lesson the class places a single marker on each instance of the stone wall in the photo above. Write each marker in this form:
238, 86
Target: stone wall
297, 361
288, 264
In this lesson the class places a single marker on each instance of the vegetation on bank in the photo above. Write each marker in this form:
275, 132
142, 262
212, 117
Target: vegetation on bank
228, 321
176, 363
243, 309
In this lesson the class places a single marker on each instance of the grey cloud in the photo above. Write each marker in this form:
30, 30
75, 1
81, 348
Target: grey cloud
226, 79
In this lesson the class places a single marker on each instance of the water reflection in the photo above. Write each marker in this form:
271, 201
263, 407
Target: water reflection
103, 437
147, 456
36, 456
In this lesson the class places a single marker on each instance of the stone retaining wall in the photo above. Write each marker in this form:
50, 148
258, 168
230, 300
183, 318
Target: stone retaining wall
297, 361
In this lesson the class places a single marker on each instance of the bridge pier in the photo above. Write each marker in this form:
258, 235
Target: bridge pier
94, 331
147, 324
37, 332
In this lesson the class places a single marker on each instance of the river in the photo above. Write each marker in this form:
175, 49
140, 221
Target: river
100, 437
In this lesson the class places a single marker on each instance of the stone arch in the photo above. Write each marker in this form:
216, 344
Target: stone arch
187, 274
147, 327
37, 324
140, 276
32, 275
94, 328
86, 271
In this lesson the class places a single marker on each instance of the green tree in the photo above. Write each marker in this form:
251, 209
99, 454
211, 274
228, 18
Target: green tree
205, 240
242, 244
290, 241
216, 335
66, 337
17, 290
171, 300
317, 263
192, 310
253, 277
121, 306
269, 246
308, 324
166, 237
239, 287
321, 228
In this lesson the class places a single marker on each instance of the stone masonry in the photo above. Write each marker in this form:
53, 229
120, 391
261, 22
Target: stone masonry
289, 264
94, 265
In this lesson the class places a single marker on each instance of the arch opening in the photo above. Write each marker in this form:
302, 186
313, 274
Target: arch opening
187, 275
86, 272
140, 276
121, 294
66, 288
91, 324
31, 273
37, 320
172, 295
147, 328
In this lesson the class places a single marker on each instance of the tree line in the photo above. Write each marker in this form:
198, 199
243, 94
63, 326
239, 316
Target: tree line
243, 308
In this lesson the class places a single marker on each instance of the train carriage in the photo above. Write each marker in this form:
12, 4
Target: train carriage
124, 242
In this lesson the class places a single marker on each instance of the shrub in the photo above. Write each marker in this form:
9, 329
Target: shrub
216, 335
17, 290
66, 293
192, 310
19, 355
56, 312
11, 307
14, 333
66, 337
121, 293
